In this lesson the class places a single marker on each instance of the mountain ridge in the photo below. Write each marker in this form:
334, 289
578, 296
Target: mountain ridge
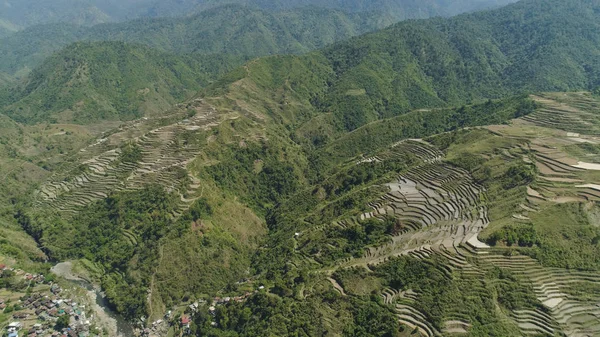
25, 13
443, 62
233, 29
88, 82
407, 182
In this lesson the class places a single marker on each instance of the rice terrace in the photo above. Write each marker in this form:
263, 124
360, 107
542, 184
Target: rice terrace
440, 212
300, 168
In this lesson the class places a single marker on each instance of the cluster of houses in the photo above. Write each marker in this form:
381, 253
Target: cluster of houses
40, 329
185, 320
13, 329
46, 310
37, 278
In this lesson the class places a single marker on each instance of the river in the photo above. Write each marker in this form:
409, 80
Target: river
103, 315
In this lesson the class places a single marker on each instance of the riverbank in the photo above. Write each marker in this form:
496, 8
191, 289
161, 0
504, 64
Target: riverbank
103, 316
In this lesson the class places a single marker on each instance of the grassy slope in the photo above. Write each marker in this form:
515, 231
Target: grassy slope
27, 155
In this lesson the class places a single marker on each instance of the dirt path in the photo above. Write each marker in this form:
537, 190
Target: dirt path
152, 281
337, 286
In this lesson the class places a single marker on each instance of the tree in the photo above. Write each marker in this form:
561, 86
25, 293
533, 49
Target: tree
62, 322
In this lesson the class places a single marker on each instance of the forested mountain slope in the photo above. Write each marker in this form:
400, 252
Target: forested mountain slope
231, 29
4, 32
24, 13
529, 46
398, 9
243, 30
88, 82
18, 14
416, 64
359, 190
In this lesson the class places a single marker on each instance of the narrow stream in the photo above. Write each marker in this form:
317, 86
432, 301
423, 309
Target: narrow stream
124, 328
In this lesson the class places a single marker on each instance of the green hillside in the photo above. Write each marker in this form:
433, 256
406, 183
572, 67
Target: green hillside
229, 29
280, 28
5, 80
401, 10
4, 32
26, 49
24, 13
418, 64
425, 180
87, 82
443, 62
253, 32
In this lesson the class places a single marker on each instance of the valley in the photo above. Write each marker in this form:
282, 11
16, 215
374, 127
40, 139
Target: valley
442, 215
437, 177
451, 216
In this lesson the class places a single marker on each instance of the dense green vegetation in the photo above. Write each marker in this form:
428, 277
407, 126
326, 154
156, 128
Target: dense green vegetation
439, 63
4, 32
574, 244
305, 143
335, 244
339, 190
444, 294
280, 27
88, 82
254, 33
436, 63
255, 172
18, 14
523, 236
419, 124
99, 234
270, 315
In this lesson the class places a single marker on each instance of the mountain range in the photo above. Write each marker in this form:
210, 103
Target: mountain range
88, 82
16, 15
414, 64
231, 29
250, 172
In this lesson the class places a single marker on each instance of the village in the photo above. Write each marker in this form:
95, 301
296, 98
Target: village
184, 320
44, 310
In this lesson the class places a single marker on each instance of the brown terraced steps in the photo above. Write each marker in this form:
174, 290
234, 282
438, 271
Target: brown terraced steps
162, 157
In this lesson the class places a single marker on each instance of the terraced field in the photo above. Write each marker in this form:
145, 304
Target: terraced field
563, 177
100, 168
442, 211
437, 204
573, 112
